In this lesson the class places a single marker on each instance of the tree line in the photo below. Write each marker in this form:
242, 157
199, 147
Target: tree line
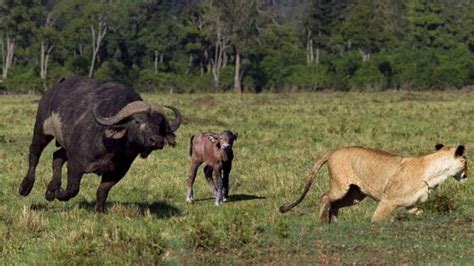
240, 45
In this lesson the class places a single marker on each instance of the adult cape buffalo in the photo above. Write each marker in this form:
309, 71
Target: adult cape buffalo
99, 127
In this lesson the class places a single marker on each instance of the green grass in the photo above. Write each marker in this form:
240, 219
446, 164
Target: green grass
280, 135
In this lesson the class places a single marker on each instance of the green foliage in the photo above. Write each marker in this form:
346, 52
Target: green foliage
23, 80
283, 45
111, 70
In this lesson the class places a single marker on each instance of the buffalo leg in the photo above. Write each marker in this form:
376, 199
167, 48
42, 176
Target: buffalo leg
107, 182
225, 179
217, 176
39, 142
74, 176
208, 174
59, 158
191, 177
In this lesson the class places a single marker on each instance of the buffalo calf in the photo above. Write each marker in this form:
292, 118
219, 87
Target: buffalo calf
215, 151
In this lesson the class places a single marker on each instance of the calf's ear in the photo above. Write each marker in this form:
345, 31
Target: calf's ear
115, 132
212, 138
460, 151
439, 146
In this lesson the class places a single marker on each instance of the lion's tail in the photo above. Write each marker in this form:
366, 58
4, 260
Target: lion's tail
312, 175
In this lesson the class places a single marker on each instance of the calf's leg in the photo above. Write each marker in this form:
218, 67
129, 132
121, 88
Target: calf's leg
191, 177
208, 174
225, 179
217, 176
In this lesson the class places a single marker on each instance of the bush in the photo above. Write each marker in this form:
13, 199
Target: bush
161, 81
368, 77
313, 77
111, 70
342, 68
78, 65
22, 80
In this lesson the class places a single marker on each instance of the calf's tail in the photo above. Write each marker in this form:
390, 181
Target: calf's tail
191, 146
312, 175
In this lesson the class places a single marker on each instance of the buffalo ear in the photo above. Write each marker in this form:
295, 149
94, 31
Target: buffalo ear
115, 132
459, 151
235, 135
439, 146
212, 139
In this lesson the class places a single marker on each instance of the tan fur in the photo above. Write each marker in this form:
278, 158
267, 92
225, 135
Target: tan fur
53, 127
392, 180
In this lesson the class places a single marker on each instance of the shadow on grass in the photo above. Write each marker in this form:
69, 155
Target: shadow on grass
158, 209
237, 197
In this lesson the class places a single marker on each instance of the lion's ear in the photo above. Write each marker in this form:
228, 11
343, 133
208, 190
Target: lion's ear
459, 151
439, 146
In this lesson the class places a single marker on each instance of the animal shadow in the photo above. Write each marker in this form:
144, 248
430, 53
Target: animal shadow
243, 197
159, 209
236, 197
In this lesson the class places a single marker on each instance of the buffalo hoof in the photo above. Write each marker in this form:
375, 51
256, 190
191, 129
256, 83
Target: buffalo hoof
50, 195
26, 186
61, 195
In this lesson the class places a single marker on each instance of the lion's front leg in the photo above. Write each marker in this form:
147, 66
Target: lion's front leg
414, 210
384, 208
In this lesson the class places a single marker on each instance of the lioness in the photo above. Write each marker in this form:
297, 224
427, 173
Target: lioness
392, 180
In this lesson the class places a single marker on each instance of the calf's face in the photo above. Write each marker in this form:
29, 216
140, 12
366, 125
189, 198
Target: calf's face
225, 140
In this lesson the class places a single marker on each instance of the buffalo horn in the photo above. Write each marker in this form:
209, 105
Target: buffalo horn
176, 122
128, 110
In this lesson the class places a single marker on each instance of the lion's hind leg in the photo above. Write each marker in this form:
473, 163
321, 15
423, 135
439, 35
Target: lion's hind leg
352, 197
330, 205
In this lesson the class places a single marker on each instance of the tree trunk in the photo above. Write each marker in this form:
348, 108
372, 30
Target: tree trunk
8, 56
311, 53
44, 59
308, 38
237, 75
190, 61
317, 56
96, 42
156, 62
217, 61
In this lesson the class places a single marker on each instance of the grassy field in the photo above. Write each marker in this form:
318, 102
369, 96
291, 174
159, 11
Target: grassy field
280, 135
